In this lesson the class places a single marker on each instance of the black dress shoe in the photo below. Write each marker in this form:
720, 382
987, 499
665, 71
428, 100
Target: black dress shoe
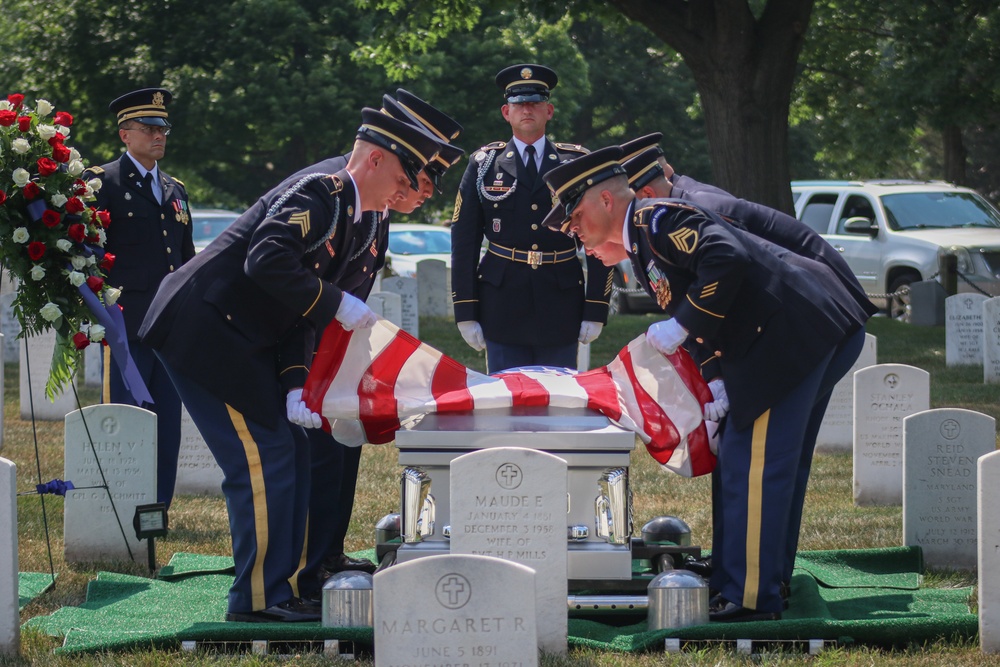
289, 611
342, 562
700, 566
722, 610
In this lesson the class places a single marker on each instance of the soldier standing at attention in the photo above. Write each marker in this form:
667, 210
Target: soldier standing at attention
150, 237
526, 302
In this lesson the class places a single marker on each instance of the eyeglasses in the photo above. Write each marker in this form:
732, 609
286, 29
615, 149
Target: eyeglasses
151, 130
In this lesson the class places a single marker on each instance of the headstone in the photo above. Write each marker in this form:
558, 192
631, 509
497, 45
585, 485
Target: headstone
510, 503
10, 328
406, 288
390, 306
375, 303
93, 366
197, 472
583, 357
927, 303
2, 372
442, 611
988, 526
991, 341
836, 433
124, 448
940, 450
36, 352
10, 626
434, 288
963, 329
883, 396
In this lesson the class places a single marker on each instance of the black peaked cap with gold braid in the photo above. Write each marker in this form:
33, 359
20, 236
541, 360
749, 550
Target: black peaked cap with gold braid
147, 106
448, 154
630, 149
643, 168
414, 146
570, 180
526, 83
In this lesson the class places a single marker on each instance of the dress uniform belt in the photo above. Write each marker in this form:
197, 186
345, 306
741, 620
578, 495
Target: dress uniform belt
534, 258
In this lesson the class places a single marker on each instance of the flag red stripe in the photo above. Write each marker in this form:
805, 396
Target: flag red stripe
602, 395
449, 386
376, 390
663, 435
326, 361
525, 390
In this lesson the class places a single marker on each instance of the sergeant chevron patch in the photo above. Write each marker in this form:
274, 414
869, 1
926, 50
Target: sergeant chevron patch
301, 219
685, 239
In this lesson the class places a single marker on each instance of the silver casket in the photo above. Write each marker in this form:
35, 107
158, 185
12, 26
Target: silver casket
599, 517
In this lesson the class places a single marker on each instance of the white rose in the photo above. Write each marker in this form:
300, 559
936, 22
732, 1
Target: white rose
76, 278
64, 244
102, 237
91, 260
111, 295
37, 272
95, 184
63, 130
20, 145
59, 200
5, 105
46, 132
74, 154
96, 333
50, 312
43, 107
78, 263
21, 177
20, 235
75, 167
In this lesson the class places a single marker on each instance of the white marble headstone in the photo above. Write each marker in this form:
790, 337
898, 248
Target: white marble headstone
10, 626
197, 472
510, 503
991, 340
442, 611
940, 450
406, 288
963, 329
583, 357
93, 365
10, 328
988, 525
434, 288
836, 433
36, 352
884, 395
390, 306
2, 375
124, 447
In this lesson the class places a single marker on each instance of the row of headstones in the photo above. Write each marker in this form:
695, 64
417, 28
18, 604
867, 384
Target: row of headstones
972, 333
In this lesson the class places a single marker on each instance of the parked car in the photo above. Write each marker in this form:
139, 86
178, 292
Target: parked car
892, 232
627, 292
410, 243
208, 223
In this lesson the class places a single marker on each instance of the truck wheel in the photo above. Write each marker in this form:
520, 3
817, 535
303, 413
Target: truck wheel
898, 307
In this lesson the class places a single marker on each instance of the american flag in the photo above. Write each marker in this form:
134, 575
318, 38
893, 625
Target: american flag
367, 381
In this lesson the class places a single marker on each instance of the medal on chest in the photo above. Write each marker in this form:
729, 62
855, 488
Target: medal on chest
660, 284
181, 211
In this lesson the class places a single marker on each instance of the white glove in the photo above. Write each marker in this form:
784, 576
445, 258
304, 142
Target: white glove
666, 336
348, 432
298, 413
354, 313
589, 331
719, 406
472, 332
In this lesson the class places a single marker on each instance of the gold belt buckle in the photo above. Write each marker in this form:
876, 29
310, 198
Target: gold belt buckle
534, 258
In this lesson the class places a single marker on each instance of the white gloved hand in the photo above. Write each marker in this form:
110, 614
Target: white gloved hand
589, 331
354, 313
719, 406
298, 413
348, 432
472, 332
666, 336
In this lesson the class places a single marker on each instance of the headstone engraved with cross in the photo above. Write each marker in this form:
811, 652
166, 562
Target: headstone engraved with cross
836, 433
406, 288
434, 288
963, 329
991, 341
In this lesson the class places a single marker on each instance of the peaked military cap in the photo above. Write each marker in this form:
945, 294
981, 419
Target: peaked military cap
414, 146
643, 168
632, 148
526, 83
442, 127
570, 180
147, 106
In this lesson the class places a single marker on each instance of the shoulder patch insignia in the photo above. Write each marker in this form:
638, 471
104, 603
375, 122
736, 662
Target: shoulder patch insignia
458, 207
179, 182
572, 148
300, 219
685, 239
333, 184
495, 146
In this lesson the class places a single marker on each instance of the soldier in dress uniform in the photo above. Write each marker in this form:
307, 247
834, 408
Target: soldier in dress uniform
236, 327
781, 327
526, 302
150, 237
335, 464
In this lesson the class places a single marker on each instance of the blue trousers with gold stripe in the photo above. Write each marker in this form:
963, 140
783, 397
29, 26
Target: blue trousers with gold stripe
266, 485
760, 487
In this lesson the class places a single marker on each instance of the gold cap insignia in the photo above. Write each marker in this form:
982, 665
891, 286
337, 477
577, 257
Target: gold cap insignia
158, 99
526, 73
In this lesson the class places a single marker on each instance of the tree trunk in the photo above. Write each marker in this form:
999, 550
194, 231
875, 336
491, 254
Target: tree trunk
955, 155
744, 68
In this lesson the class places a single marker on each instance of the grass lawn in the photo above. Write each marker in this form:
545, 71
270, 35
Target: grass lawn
199, 524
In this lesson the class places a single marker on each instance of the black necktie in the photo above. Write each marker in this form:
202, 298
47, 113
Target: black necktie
147, 180
530, 168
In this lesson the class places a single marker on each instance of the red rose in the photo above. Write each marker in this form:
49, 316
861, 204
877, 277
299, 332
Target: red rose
95, 283
7, 118
24, 123
51, 218
57, 139
80, 340
77, 232
60, 153
104, 217
46, 166
93, 237
35, 250
74, 205
30, 190
107, 261
16, 99
3, 197
63, 118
